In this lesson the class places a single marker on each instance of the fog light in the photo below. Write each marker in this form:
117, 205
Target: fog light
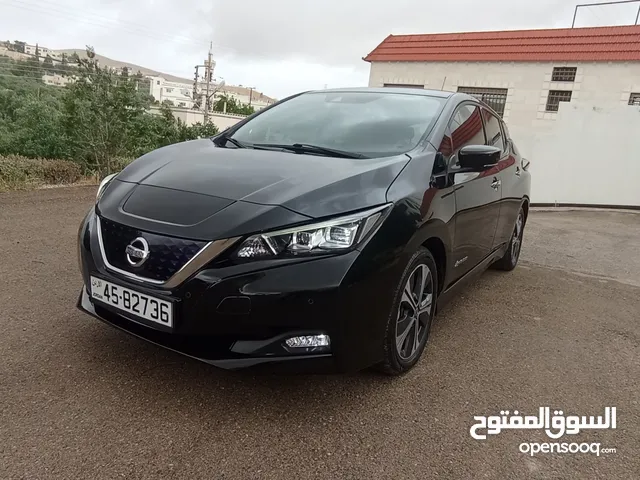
308, 341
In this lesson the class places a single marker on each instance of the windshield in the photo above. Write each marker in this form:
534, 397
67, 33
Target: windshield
367, 123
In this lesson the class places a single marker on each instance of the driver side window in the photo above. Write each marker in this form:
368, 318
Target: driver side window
465, 128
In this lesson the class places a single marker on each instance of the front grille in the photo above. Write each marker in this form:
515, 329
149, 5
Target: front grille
167, 254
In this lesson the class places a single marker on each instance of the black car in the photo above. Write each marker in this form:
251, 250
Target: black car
321, 232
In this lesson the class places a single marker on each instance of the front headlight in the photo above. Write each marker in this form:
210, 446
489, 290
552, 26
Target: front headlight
334, 235
103, 185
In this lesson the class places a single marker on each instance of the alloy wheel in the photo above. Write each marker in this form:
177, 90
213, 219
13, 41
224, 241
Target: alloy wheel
516, 241
414, 312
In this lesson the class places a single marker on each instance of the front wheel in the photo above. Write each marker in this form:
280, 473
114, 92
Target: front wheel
410, 319
510, 259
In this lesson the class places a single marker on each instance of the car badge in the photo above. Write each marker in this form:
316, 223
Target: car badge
137, 252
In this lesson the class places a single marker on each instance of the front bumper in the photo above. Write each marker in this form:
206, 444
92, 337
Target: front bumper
239, 316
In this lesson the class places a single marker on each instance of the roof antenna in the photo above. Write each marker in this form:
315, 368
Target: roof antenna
443, 81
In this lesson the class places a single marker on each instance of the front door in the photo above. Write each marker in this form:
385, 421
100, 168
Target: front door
477, 195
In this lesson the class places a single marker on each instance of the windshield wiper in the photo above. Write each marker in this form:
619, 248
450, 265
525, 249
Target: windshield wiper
307, 148
235, 142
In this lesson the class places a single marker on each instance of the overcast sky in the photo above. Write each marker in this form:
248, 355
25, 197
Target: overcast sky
278, 46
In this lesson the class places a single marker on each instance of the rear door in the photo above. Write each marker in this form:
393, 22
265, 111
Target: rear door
508, 174
477, 194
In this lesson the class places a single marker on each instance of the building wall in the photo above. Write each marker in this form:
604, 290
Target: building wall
528, 84
590, 156
57, 80
604, 86
31, 50
220, 120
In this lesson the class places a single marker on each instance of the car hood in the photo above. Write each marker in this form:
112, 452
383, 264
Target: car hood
190, 188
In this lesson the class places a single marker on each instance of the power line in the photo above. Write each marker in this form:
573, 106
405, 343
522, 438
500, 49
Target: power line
67, 15
54, 6
47, 7
98, 20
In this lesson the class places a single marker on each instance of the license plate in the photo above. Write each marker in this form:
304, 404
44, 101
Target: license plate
130, 301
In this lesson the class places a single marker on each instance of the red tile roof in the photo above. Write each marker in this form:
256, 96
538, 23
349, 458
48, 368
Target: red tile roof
568, 44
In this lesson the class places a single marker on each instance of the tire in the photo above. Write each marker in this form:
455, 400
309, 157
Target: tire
510, 259
401, 350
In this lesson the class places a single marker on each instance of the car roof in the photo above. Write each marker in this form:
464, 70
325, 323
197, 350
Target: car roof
409, 91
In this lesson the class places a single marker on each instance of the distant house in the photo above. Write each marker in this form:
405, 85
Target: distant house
524, 75
570, 98
179, 94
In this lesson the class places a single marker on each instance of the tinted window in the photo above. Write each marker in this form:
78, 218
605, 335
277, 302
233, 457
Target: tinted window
493, 130
465, 128
373, 124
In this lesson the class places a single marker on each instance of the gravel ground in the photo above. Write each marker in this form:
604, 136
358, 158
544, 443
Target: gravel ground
82, 400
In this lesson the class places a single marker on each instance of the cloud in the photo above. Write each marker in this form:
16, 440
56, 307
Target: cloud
341, 32
280, 46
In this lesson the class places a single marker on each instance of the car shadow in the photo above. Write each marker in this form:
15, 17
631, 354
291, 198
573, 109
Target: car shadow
166, 376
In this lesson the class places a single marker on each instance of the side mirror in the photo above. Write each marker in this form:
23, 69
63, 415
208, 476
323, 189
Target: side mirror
478, 158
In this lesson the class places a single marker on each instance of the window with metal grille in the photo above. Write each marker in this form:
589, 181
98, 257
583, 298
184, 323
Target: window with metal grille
402, 85
496, 98
634, 99
555, 97
564, 74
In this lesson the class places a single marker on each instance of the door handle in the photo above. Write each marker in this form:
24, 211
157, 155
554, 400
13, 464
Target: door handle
496, 183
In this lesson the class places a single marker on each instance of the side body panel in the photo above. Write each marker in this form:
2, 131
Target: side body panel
516, 185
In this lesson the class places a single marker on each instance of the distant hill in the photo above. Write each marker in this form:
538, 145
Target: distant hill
133, 68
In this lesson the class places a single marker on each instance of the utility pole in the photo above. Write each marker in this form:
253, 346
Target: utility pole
251, 94
209, 75
195, 87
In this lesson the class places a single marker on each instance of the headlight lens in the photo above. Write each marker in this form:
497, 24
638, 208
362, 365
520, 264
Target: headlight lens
103, 185
331, 236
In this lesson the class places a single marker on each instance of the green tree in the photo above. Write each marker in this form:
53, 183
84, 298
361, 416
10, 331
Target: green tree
95, 121
19, 46
233, 106
101, 112
34, 67
30, 114
48, 64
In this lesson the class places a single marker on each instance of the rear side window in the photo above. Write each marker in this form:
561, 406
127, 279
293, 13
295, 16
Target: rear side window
495, 137
465, 128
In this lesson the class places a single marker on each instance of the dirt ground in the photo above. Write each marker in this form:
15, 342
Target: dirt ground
79, 399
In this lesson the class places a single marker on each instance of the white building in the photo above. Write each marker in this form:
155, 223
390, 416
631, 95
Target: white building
42, 51
57, 80
178, 94
531, 77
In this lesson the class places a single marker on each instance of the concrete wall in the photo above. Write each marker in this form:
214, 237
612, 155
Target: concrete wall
220, 120
605, 86
591, 156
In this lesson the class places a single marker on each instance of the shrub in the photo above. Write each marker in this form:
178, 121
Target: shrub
17, 172
55, 172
